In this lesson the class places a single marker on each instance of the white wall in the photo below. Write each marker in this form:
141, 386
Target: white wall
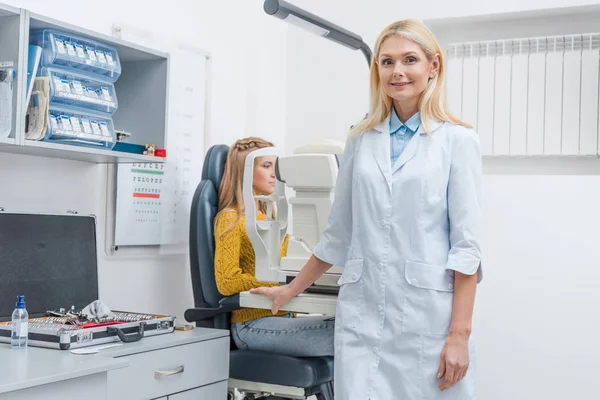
327, 79
248, 88
536, 317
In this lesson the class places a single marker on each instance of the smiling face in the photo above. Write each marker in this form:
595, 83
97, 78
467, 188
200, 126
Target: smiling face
404, 70
264, 175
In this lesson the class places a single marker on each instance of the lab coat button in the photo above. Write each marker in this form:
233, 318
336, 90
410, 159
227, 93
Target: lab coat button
354, 276
450, 286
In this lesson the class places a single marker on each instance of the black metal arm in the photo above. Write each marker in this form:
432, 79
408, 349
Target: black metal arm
226, 305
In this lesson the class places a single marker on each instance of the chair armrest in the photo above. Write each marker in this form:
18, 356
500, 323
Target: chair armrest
231, 302
226, 305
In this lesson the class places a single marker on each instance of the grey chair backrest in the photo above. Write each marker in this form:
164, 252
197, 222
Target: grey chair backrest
202, 243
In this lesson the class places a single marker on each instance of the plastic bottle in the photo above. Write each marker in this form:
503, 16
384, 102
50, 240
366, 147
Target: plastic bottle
20, 327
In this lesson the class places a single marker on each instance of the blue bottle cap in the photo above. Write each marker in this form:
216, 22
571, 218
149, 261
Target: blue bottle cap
20, 301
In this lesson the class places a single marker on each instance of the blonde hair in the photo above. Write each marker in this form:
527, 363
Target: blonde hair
431, 103
230, 190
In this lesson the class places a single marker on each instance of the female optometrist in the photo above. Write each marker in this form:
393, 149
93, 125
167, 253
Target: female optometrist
405, 226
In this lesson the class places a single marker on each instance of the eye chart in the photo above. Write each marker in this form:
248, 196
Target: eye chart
143, 197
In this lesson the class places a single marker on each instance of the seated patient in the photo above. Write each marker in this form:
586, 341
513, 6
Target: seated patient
257, 329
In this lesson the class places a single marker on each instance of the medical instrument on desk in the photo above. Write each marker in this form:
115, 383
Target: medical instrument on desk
50, 325
61, 321
96, 311
132, 317
7, 74
69, 320
266, 235
312, 23
312, 173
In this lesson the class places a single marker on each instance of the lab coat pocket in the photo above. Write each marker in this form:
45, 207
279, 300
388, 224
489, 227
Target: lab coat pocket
428, 295
350, 296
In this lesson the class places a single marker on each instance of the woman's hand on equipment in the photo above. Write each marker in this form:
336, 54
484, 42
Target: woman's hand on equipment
278, 294
454, 361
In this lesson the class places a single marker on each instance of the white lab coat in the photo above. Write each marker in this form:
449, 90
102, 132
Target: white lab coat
400, 232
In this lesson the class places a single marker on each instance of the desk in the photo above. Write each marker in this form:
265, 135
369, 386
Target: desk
176, 366
308, 303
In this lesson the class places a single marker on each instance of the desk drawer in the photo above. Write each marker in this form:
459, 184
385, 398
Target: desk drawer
171, 370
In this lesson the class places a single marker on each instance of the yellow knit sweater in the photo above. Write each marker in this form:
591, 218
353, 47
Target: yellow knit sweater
234, 262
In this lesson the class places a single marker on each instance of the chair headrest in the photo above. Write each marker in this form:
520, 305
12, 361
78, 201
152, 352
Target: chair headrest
214, 164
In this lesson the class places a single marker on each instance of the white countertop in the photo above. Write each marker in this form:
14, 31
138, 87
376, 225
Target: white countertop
24, 368
34, 366
177, 338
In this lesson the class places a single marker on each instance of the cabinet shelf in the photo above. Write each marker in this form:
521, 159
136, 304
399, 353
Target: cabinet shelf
6, 10
78, 153
8, 141
141, 89
128, 52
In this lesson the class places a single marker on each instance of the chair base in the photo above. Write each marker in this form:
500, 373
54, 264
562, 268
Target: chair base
326, 391
275, 390
322, 392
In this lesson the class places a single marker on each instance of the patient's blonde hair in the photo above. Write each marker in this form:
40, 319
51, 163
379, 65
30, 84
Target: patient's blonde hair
431, 104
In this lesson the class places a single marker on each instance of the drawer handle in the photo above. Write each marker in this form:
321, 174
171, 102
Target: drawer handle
164, 374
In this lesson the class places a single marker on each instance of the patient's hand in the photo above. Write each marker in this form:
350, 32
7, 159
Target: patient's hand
278, 294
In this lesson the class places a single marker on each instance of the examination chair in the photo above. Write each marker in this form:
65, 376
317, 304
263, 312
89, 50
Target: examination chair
251, 372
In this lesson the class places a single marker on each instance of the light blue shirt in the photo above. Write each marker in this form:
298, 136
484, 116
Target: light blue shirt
401, 133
